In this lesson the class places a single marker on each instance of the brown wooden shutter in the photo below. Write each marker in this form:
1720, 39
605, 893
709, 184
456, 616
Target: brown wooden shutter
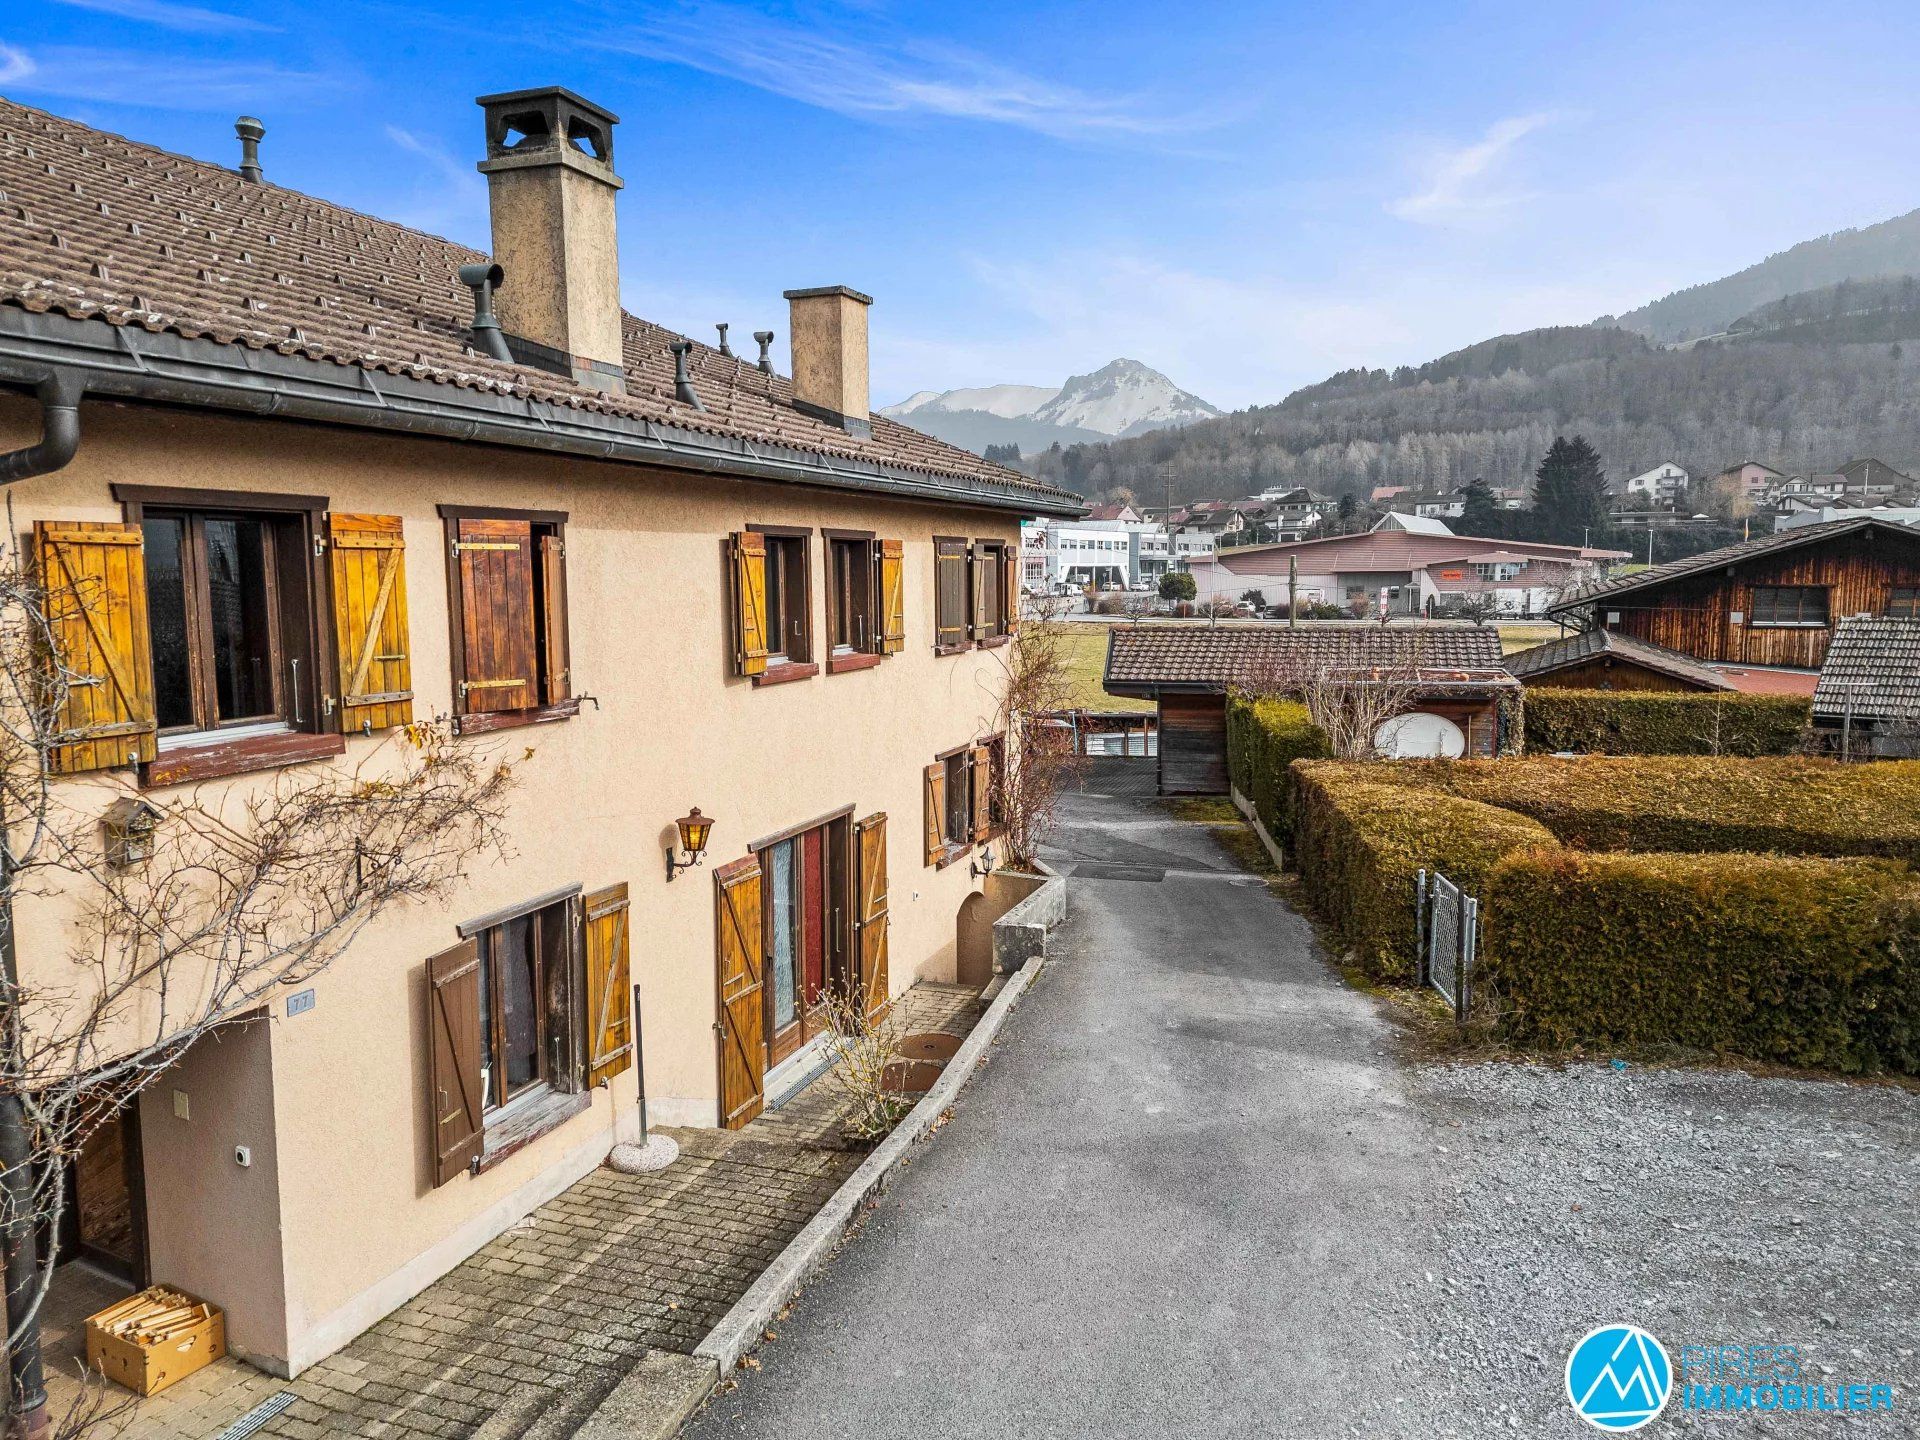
370, 621
453, 1008
556, 674
609, 985
935, 777
980, 773
1010, 582
749, 567
741, 960
870, 926
997, 782
979, 570
497, 669
950, 595
893, 598
95, 580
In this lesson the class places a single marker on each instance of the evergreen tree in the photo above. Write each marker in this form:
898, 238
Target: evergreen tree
1008, 454
1570, 493
1480, 511
1348, 508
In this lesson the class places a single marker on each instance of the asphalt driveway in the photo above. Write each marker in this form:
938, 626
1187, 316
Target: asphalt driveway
1194, 1192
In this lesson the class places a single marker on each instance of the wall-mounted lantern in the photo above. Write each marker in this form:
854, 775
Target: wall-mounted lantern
983, 867
694, 829
129, 824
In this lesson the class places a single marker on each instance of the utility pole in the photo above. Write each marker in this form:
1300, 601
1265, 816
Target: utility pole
1293, 591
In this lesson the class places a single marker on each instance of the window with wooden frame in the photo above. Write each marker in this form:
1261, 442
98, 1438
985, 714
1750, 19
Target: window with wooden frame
855, 627
507, 601
532, 1009
987, 578
772, 597
957, 793
951, 595
1802, 606
1904, 601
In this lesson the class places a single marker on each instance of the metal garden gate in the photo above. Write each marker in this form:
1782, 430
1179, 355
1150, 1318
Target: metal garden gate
1446, 934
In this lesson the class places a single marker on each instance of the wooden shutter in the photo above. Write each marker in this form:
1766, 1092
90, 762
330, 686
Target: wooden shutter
453, 1006
609, 985
980, 772
935, 777
497, 671
979, 569
741, 960
556, 675
870, 924
370, 621
950, 595
749, 567
1010, 587
893, 598
95, 579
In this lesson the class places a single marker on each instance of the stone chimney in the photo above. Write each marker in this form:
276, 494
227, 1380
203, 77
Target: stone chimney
551, 186
828, 325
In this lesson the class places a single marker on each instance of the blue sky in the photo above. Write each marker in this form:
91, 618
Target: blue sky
1247, 196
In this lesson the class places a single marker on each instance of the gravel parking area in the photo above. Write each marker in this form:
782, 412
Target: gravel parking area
1708, 1207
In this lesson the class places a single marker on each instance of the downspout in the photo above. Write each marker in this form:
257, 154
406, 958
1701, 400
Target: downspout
59, 430
26, 1388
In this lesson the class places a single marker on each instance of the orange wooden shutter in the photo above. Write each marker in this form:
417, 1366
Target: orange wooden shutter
1010, 585
893, 598
453, 1001
870, 924
741, 960
556, 674
749, 567
370, 621
610, 1021
935, 778
497, 671
95, 581
980, 773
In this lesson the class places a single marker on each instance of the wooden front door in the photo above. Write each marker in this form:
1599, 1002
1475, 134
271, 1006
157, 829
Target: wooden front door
741, 959
104, 1217
870, 912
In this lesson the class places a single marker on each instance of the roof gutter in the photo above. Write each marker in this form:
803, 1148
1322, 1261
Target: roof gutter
59, 392
117, 361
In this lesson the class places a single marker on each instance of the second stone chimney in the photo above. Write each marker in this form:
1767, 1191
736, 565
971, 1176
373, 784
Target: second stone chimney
550, 187
828, 325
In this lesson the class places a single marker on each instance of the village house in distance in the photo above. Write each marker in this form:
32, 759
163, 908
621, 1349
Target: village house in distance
321, 476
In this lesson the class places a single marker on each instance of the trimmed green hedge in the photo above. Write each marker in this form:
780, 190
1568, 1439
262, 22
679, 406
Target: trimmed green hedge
1264, 737
1790, 805
1358, 844
1651, 722
1791, 960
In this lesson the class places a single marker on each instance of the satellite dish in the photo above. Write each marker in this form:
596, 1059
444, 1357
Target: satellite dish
1420, 736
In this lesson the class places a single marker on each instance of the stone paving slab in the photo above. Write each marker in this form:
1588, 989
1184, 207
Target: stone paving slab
528, 1336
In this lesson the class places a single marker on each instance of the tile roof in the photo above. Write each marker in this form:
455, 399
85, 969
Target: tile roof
1584, 645
1197, 656
1732, 555
98, 227
1875, 660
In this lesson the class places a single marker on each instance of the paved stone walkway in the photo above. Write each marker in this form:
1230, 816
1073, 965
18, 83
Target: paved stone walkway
525, 1337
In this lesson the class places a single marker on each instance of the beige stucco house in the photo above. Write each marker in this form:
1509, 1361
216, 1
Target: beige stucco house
329, 496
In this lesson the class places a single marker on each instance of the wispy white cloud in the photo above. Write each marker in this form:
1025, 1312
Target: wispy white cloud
451, 198
15, 64
190, 18
129, 77
1462, 181
903, 77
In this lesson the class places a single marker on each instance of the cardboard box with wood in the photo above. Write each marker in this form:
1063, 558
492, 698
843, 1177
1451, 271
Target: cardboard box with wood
149, 1340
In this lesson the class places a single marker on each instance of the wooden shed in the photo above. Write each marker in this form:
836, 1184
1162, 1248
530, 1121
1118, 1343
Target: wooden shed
1770, 602
1187, 669
1609, 660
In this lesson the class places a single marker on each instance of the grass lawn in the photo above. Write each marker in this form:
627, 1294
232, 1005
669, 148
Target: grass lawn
1085, 647
1523, 634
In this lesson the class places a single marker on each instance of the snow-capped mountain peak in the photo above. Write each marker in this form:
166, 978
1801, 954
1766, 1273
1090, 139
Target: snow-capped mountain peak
1121, 398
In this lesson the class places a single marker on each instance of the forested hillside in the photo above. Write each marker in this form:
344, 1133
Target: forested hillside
1795, 390
1890, 248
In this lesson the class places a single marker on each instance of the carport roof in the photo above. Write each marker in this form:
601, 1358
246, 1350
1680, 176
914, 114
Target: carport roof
1192, 656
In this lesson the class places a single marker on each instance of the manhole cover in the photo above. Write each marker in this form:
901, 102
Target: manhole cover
1153, 874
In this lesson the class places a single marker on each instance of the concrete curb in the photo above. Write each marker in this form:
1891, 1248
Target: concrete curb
740, 1328
1021, 933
